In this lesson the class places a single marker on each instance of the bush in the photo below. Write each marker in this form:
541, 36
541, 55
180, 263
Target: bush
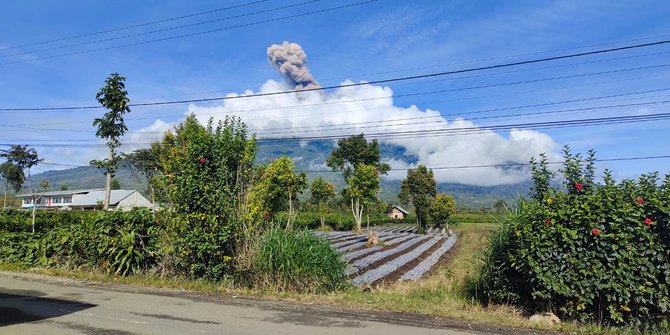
20, 220
297, 260
119, 242
207, 171
339, 221
592, 253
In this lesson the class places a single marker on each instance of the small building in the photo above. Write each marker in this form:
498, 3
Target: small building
89, 199
397, 212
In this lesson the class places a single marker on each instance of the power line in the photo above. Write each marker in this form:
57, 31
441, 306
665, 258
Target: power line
339, 79
132, 26
505, 165
75, 108
381, 123
194, 34
418, 133
161, 30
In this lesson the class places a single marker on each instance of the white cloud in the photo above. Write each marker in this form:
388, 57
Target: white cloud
369, 109
138, 139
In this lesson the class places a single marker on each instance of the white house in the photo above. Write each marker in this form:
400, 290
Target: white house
90, 199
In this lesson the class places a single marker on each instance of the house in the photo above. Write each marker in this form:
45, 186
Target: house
397, 212
90, 199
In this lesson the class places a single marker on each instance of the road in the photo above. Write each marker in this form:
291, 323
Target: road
32, 304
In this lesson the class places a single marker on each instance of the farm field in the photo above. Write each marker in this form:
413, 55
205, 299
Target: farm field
402, 254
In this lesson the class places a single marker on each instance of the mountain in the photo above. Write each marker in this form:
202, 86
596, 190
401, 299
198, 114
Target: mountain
308, 157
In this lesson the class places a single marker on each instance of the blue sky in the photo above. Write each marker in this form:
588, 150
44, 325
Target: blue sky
373, 41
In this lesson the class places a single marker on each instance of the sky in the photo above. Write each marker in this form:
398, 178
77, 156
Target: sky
58, 54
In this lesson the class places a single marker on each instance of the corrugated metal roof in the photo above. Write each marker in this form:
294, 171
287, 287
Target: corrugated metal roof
92, 198
67, 192
401, 209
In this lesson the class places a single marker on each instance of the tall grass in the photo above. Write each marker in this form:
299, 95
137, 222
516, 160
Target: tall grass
298, 261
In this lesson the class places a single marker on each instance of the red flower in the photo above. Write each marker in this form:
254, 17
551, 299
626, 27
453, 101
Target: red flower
547, 221
202, 160
579, 186
640, 201
647, 221
595, 231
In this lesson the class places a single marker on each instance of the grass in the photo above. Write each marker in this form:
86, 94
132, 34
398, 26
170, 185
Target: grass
442, 294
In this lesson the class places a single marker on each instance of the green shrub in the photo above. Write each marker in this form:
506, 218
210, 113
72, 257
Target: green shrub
339, 221
297, 260
596, 252
20, 220
121, 242
207, 172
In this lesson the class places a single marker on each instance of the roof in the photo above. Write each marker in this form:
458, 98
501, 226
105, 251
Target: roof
401, 209
95, 197
66, 192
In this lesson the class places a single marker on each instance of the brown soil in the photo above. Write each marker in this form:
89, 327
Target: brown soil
385, 259
395, 275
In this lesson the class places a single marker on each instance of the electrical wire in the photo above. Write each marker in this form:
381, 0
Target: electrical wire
276, 19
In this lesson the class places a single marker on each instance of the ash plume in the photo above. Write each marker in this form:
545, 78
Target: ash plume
291, 61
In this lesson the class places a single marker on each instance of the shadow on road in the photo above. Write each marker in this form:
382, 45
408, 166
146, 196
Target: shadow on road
28, 306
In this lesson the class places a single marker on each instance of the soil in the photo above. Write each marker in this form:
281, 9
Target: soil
395, 275
383, 260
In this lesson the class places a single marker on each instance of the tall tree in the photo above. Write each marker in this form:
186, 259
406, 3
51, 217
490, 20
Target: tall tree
420, 188
114, 97
13, 177
24, 158
322, 191
278, 187
354, 151
362, 189
441, 209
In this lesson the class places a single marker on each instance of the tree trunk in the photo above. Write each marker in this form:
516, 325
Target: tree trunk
34, 199
358, 212
34, 208
289, 223
322, 216
108, 184
153, 196
108, 191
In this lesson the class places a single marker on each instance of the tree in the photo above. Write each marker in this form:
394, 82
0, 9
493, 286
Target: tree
44, 184
146, 163
13, 177
322, 191
441, 209
362, 188
278, 187
420, 188
115, 185
24, 158
354, 151
63, 187
114, 97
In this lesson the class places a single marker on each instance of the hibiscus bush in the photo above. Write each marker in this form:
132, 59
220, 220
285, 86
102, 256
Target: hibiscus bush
587, 251
207, 170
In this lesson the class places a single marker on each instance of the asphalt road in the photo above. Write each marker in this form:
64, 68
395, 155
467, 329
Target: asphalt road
40, 305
